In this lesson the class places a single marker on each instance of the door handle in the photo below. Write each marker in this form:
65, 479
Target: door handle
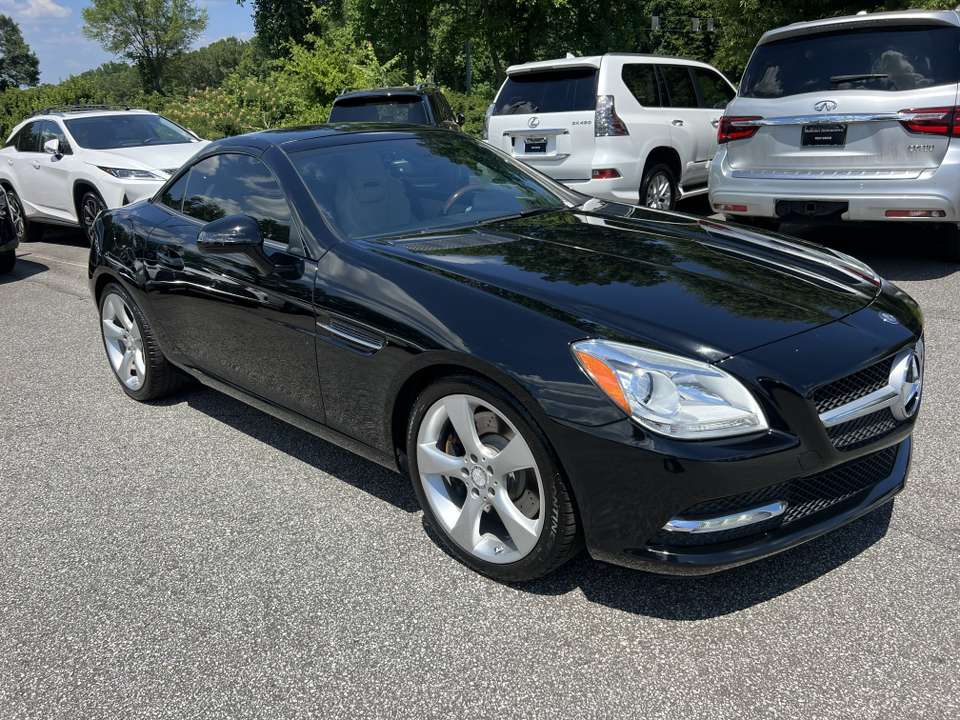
9, 161
36, 165
169, 257
677, 121
715, 122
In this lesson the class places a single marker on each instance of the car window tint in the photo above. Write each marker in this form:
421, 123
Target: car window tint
52, 131
28, 139
641, 81
404, 109
107, 132
172, 197
889, 59
715, 91
546, 92
681, 92
233, 184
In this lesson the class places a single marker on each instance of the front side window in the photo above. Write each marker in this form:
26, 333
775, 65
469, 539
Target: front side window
108, 132
641, 81
233, 184
680, 91
548, 92
435, 182
716, 92
52, 131
886, 59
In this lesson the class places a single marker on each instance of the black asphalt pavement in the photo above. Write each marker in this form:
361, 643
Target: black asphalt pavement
195, 558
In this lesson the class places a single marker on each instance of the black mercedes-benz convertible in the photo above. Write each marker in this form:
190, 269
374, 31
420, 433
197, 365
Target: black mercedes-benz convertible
552, 371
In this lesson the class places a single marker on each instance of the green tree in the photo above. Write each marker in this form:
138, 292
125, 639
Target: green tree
209, 66
150, 33
279, 22
18, 65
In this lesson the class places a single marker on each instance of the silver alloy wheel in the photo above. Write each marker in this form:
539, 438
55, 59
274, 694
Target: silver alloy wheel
124, 343
480, 478
659, 193
16, 216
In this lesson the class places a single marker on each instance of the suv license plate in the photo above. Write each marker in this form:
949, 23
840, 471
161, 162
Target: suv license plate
535, 145
823, 135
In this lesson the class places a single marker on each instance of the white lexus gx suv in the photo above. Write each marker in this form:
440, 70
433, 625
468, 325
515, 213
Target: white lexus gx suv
63, 165
849, 119
636, 129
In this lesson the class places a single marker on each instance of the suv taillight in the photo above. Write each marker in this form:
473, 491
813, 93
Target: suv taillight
729, 128
932, 121
607, 122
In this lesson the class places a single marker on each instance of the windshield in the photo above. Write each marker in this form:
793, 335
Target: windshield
432, 183
403, 109
889, 59
107, 132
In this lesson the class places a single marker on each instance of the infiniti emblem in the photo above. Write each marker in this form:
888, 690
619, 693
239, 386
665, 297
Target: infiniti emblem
825, 105
533, 122
888, 318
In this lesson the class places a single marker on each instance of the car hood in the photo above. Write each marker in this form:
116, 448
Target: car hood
678, 283
145, 157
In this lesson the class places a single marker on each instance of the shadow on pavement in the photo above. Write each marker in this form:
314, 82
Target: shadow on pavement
23, 269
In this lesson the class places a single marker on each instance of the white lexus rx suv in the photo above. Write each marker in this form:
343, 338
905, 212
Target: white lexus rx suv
63, 165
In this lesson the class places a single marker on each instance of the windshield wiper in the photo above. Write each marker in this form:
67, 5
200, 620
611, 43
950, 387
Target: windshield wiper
525, 213
836, 79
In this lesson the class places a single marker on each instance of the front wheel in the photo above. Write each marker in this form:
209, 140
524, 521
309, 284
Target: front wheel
90, 206
487, 483
132, 350
658, 190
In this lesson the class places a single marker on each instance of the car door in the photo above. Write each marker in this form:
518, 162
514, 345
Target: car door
252, 330
23, 164
691, 130
52, 189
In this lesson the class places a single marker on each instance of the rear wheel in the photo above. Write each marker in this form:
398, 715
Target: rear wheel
659, 188
26, 231
133, 352
90, 206
487, 483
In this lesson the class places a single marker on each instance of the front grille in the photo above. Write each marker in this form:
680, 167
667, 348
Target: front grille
863, 430
804, 497
853, 387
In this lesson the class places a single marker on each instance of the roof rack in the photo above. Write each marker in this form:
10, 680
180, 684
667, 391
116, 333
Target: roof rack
59, 109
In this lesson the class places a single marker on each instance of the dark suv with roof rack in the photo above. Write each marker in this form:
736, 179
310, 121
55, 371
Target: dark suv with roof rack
63, 165
421, 104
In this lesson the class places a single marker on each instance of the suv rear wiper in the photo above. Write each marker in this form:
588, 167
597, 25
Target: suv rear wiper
835, 79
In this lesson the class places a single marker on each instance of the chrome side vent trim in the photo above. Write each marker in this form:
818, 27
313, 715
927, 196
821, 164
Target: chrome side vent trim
354, 334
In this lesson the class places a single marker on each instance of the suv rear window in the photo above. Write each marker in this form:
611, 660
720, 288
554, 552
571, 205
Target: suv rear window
889, 59
401, 109
548, 92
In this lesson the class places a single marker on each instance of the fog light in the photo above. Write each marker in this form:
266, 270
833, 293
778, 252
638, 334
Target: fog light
916, 213
606, 174
727, 522
730, 208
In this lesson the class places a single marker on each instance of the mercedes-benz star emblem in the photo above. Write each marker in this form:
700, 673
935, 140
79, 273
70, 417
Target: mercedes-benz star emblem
888, 318
907, 374
533, 122
827, 105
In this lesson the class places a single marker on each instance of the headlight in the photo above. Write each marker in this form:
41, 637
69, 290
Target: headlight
125, 174
670, 395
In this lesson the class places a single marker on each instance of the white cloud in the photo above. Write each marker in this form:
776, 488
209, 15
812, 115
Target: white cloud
34, 10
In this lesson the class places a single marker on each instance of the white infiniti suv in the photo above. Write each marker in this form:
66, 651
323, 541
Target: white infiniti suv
847, 119
63, 165
631, 128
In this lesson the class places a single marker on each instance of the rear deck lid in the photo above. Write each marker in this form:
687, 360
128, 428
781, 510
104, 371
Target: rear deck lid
854, 99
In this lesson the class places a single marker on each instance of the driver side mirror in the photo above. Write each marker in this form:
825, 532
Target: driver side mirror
52, 147
460, 119
236, 234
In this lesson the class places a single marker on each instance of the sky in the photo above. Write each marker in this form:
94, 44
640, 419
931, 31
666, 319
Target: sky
53, 30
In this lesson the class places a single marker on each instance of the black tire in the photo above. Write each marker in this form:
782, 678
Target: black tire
658, 190
91, 205
951, 243
467, 507
132, 350
26, 230
7, 262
